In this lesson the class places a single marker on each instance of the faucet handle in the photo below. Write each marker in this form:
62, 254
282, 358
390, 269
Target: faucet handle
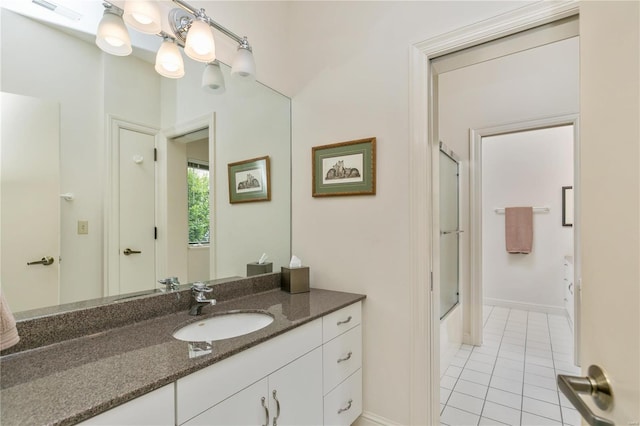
201, 287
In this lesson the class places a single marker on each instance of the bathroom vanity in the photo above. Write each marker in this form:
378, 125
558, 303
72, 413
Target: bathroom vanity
303, 368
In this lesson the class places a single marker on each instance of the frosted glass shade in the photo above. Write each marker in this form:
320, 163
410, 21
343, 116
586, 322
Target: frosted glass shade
200, 45
243, 64
143, 15
112, 36
169, 60
212, 78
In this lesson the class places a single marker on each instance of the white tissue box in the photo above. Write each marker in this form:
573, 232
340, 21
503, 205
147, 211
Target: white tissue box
295, 280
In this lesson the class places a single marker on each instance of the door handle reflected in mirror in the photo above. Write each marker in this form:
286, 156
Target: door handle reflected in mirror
128, 252
45, 261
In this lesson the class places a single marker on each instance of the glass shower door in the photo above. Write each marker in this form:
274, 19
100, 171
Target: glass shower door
449, 230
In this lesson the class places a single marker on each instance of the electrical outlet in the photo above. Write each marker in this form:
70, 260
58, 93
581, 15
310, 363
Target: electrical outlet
83, 227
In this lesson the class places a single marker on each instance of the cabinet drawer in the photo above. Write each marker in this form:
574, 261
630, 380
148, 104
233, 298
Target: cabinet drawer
340, 321
344, 404
341, 357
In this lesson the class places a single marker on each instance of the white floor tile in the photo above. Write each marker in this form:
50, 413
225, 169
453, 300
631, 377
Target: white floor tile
540, 353
448, 382
475, 376
489, 422
510, 363
541, 408
466, 402
455, 416
543, 382
514, 356
571, 417
487, 359
544, 362
540, 371
482, 367
458, 362
512, 386
529, 419
501, 413
470, 388
504, 398
508, 373
453, 371
508, 347
444, 395
566, 366
542, 394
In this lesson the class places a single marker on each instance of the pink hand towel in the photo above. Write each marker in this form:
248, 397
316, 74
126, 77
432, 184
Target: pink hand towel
518, 226
8, 331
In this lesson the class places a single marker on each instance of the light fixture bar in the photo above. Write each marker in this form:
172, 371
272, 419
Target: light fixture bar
192, 10
60, 10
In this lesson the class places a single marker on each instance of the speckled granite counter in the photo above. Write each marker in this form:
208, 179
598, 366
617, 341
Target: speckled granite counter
70, 381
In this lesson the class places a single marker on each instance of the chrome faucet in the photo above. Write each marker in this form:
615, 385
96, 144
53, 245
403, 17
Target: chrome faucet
198, 298
171, 283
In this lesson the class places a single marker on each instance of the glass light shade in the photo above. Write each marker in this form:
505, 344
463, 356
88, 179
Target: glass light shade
112, 36
212, 78
169, 60
142, 15
200, 45
243, 64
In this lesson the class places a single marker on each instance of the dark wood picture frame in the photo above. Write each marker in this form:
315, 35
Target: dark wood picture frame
250, 180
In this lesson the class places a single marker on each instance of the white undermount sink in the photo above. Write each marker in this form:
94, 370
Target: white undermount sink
223, 326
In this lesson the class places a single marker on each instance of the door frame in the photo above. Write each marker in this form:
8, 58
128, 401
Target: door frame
111, 254
423, 182
475, 225
204, 121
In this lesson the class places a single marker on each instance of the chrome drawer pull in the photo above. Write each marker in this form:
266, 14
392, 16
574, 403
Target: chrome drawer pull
347, 408
346, 358
266, 411
345, 321
275, 419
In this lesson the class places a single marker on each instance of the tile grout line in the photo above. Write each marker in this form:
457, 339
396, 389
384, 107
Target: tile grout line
553, 360
524, 366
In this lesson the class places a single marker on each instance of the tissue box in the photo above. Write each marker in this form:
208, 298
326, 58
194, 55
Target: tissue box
255, 268
295, 280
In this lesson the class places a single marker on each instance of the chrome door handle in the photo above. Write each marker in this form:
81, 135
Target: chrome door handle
45, 261
128, 252
595, 384
275, 419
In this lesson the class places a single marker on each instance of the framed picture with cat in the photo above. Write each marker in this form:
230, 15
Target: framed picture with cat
249, 180
345, 168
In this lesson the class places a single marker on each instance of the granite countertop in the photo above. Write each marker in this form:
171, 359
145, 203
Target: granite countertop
70, 381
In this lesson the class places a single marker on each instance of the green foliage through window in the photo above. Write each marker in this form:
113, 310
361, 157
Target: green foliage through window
198, 193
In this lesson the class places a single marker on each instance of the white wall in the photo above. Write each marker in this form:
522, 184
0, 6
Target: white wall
351, 74
521, 87
526, 169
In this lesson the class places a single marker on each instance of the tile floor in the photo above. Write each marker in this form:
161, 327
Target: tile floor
511, 378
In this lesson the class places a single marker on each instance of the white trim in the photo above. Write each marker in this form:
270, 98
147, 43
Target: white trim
369, 419
424, 334
512, 304
198, 123
475, 196
111, 255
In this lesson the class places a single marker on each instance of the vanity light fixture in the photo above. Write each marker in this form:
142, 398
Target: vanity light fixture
169, 60
143, 15
112, 35
212, 79
192, 30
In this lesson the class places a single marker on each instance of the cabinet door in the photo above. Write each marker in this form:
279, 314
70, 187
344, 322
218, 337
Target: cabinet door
297, 389
154, 408
244, 408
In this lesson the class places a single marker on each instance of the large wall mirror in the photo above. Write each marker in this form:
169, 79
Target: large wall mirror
82, 187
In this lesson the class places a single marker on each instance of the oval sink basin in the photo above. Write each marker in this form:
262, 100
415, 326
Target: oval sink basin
223, 327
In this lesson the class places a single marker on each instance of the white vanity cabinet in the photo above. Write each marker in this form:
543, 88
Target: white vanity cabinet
155, 408
342, 365
290, 396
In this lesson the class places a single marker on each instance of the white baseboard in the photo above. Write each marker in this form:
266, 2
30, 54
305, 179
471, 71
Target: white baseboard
547, 309
369, 419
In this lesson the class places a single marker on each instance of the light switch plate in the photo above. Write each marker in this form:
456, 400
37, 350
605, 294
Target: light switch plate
83, 227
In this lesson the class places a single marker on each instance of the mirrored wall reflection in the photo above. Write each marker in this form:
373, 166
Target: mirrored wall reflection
99, 98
